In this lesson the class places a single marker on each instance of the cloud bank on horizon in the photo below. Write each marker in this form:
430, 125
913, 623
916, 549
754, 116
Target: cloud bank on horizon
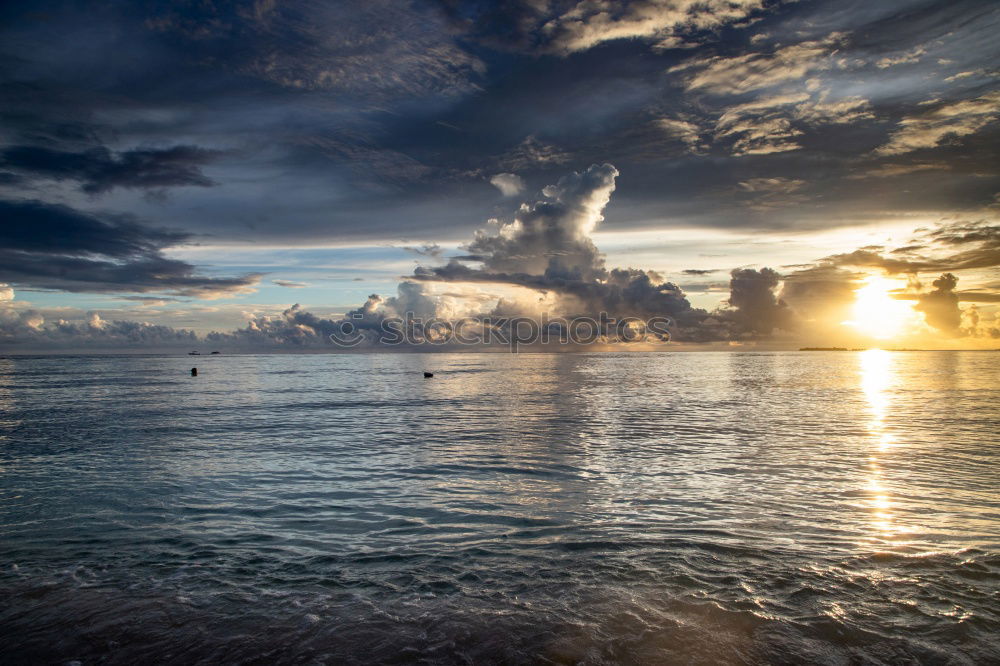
167, 169
548, 251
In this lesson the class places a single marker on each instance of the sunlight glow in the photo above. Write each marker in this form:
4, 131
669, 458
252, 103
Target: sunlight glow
877, 369
877, 313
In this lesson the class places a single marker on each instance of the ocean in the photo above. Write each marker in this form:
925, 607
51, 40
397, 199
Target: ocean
696, 508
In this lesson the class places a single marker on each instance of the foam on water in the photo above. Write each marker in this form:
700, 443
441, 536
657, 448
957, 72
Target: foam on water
631, 508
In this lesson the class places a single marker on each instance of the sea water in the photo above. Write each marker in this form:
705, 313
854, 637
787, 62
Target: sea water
704, 508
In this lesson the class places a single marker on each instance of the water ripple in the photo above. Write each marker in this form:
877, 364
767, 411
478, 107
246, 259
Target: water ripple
588, 508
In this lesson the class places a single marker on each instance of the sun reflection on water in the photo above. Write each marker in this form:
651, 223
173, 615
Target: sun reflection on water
877, 374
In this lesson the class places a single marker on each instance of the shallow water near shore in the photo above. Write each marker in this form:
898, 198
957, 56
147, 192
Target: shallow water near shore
707, 508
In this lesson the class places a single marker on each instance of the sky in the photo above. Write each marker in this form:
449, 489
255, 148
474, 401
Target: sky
249, 175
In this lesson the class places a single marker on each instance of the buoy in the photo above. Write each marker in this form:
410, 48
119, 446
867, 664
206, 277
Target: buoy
428, 374
194, 372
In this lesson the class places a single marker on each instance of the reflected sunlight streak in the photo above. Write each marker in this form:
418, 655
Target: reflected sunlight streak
876, 376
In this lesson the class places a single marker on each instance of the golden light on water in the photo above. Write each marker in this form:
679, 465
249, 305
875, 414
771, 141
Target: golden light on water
877, 374
876, 313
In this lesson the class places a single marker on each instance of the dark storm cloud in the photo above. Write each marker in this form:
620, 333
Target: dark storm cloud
279, 96
377, 48
56, 247
144, 274
383, 120
99, 170
940, 306
757, 308
37, 227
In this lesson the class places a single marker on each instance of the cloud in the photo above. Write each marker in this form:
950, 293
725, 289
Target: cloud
961, 75
379, 49
299, 328
948, 247
589, 23
930, 128
573, 26
432, 250
625, 292
762, 136
734, 75
100, 170
769, 193
758, 310
829, 284
843, 111
358, 143
290, 284
771, 124
821, 292
906, 58
51, 246
29, 329
532, 153
684, 131
6, 293
411, 298
772, 185
940, 306
294, 328
548, 248
33, 226
547, 251
962, 233
895, 170
553, 236
149, 301
369, 165
509, 184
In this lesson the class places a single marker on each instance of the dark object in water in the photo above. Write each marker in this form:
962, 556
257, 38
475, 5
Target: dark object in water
214, 353
194, 353
194, 372
428, 374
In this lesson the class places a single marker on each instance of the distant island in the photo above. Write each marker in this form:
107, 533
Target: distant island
829, 349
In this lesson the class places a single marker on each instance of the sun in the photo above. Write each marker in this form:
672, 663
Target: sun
876, 313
